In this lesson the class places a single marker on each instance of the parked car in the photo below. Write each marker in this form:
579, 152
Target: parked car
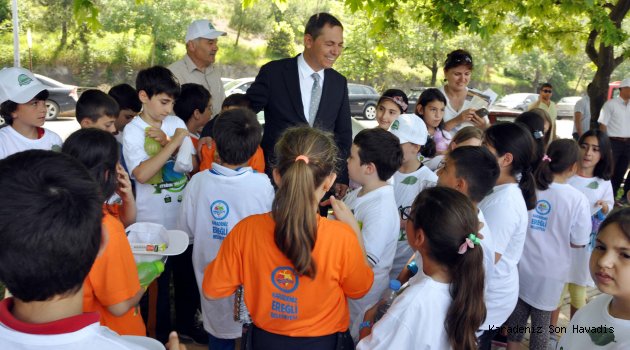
61, 97
413, 97
225, 81
363, 100
518, 101
565, 106
238, 86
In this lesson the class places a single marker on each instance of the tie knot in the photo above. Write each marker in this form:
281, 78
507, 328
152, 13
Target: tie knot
315, 77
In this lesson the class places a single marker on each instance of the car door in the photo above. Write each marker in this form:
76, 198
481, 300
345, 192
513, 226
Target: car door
355, 96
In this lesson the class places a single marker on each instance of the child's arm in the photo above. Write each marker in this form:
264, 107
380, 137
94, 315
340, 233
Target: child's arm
124, 190
145, 170
124, 306
344, 214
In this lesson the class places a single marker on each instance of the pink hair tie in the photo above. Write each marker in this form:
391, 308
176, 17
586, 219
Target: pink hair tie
303, 158
469, 242
546, 158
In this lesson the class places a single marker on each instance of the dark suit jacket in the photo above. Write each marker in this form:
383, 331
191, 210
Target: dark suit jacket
277, 92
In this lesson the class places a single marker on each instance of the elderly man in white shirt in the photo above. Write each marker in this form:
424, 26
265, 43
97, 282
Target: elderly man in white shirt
197, 66
615, 120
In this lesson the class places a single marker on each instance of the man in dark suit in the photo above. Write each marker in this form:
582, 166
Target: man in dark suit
306, 90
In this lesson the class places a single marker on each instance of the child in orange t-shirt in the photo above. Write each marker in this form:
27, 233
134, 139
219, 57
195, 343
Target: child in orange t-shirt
112, 287
206, 154
297, 269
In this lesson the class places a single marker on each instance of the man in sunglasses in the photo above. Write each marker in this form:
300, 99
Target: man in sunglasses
544, 101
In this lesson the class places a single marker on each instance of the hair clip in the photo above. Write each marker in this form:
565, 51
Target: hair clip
546, 158
398, 100
471, 241
302, 157
538, 134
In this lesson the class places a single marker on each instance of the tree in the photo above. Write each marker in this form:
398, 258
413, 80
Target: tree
596, 24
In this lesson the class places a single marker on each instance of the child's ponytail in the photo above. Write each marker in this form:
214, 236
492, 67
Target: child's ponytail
305, 157
450, 224
515, 139
561, 155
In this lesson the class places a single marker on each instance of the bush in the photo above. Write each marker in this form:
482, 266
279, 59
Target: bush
281, 42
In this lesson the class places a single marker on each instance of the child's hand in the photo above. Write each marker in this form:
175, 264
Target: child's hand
342, 212
180, 135
123, 188
604, 206
206, 140
157, 134
173, 342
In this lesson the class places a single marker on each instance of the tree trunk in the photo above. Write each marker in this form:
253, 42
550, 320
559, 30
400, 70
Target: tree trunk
434, 71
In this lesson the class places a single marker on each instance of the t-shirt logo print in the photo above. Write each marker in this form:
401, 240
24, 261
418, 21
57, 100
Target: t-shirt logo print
23, 79
219, 210
285, 279
395, 125
543, 207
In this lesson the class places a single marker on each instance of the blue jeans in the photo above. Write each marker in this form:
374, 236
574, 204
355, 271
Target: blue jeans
215, 343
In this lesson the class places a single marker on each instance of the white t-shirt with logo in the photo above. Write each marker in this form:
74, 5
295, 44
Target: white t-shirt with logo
406, 189
593, 327
378, 218
561, 218
415, 320
12, 142
595, 189
215, 201
158, 203
506, 215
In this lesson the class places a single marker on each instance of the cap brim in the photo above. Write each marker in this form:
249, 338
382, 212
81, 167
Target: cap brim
177, 244
212, 35
27, 94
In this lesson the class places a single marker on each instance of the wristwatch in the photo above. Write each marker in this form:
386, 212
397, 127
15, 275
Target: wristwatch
365, 324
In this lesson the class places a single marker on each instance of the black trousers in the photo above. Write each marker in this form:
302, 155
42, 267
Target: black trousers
257, 338
621, 158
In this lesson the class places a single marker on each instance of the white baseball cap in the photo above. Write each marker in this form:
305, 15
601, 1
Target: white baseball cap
410, 128
149, 241
625, 83
18, 85
202, 28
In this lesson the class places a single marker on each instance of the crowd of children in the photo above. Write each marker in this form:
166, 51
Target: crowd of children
484, 228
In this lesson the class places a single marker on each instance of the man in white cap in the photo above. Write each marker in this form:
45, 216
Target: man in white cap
615, 120
197, 66
23, 107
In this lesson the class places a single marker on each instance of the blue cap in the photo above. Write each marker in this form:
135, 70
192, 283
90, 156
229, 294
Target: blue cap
394, 284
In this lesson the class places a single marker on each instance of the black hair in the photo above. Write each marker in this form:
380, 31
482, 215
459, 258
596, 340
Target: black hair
603, 168
98, 151
94, 104
237, 100
478, 167
515, 139
447, 218
50, 224
157, 80
458, 58
545, 85
192, 97
391, 93
126, 97
562, 154
620, 217
427, 96
536, 126
237, 134
8, 107
318, 21
382, 148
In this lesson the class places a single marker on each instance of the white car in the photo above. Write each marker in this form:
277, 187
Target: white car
518, 101
566, 105
238, 86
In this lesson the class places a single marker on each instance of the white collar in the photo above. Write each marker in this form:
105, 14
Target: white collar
219, 169
305, 70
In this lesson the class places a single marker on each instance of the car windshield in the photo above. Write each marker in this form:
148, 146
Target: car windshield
513, 98
232, 84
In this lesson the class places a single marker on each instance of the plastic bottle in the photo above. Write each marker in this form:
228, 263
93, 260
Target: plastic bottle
413, 268
148, 271
387, 299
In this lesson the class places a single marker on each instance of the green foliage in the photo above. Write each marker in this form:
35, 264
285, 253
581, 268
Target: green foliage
5, 10
281, 42
252, 19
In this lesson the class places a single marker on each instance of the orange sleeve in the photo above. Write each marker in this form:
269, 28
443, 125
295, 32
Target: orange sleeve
225, 273
114, 276
257, 161
206, 157
195, 141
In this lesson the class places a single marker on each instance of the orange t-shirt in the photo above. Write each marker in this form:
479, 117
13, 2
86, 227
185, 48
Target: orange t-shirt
279, 300
257, 161
114, 279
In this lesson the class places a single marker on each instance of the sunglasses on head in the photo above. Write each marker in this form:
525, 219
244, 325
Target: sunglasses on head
459, 59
